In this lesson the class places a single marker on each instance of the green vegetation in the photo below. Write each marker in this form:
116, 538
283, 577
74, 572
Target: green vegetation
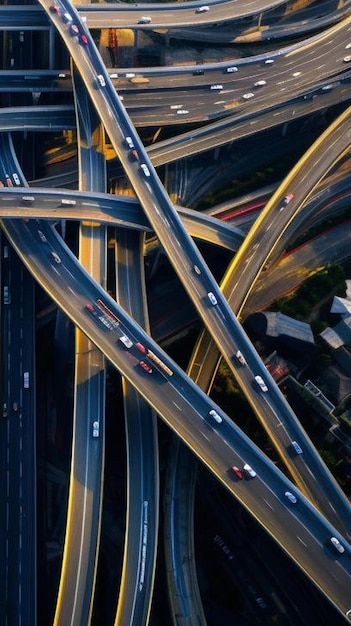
345, 423
315, 291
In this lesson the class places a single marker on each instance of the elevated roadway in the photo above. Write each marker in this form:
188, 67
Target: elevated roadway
141, 536
77, 581
119, 15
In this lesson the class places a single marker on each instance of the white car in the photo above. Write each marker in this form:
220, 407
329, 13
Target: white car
347, 59
96, 429
296, 447
129, 142
337, 545
260, 83
216, 87
269, 62
42, 236
248, 95
197, 269
290, 496
56, 257
249, 471
231, 69
215, 416
202, 9
239, 355
259, 380
182, 112
212, 298
126, 341
28, 198
101, 80
16, 179
145, 169
144, 20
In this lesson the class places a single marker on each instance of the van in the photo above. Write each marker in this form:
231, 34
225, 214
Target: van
68, 202
101, 80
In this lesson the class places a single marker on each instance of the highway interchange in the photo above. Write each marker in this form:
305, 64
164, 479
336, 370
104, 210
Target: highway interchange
175, 398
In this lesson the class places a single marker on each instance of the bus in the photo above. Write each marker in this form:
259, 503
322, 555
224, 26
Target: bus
104, 308
158, 362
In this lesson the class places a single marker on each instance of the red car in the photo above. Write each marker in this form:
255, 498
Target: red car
237, 472
55, 8
140, 347
83, 39
286, 200
145, 367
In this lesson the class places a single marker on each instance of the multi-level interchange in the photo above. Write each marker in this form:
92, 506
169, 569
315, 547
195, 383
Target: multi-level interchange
304, 511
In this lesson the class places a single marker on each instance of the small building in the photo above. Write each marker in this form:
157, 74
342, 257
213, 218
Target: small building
280, 329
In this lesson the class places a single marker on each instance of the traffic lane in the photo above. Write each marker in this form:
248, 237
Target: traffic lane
169, 15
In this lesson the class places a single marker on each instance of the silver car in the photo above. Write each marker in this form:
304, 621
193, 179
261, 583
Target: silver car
337, 545
259, 380
290, 496
145, 169
126, 341
212, 298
